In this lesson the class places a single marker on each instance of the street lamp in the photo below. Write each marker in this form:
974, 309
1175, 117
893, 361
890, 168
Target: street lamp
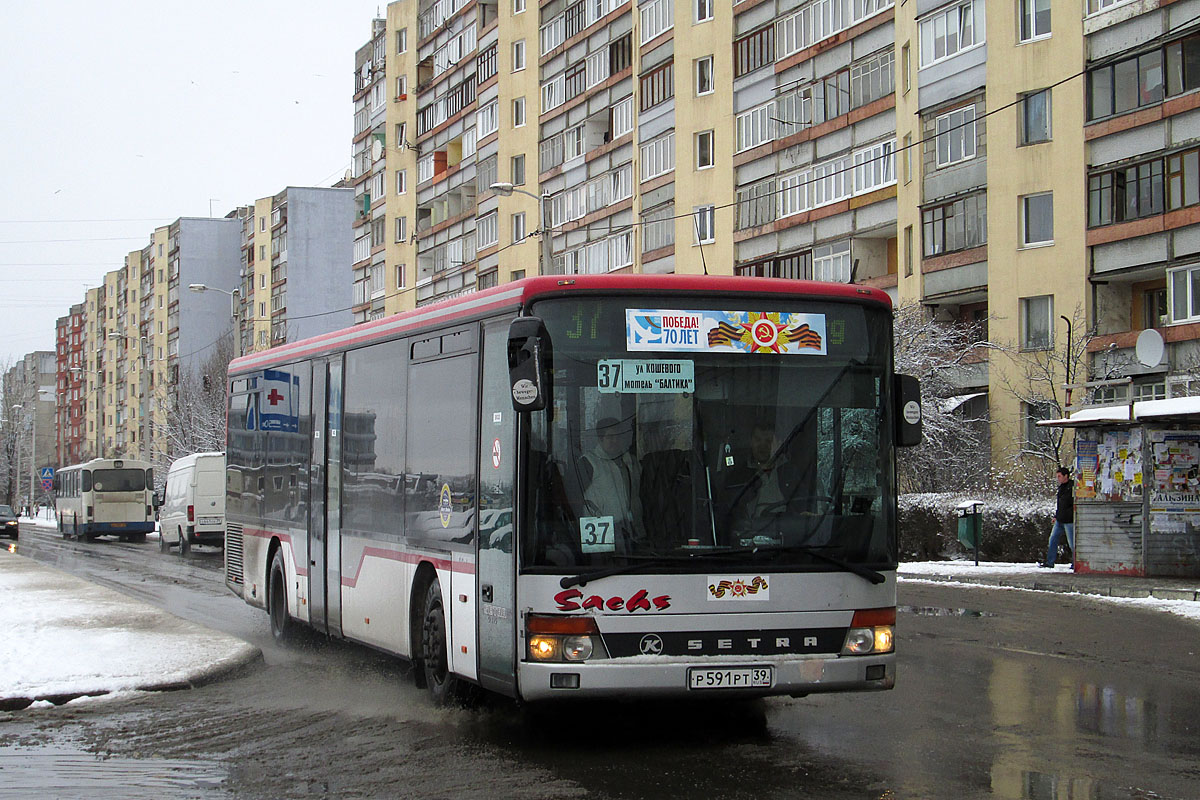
235, 311
506, 189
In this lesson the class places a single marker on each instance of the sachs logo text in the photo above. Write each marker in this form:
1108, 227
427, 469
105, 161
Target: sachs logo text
573, 600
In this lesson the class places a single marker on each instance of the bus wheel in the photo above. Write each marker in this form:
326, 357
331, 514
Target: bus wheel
443, 686
184, 546
277, 603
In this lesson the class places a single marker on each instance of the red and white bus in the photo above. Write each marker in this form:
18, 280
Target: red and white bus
576, 486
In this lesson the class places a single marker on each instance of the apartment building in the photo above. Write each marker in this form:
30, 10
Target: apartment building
29, 393
663, 136
1142, 132
70, 388
296, 249
1047, 205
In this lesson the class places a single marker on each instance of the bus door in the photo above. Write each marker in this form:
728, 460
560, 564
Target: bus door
497, 535
324, 524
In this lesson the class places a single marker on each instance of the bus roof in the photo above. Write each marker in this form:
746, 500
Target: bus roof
518, 294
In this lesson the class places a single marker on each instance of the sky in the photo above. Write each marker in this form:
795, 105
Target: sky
120, 117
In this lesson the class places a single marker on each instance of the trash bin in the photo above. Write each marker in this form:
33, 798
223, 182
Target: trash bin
970, 525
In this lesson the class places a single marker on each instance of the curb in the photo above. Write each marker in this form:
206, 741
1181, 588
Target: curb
210, 673
1038, 586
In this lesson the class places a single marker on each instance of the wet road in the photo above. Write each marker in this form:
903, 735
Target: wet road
1003, 694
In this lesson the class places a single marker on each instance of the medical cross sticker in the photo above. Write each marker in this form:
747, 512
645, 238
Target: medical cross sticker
274, 396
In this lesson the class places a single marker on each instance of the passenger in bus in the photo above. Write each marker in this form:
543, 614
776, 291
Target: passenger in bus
611, 478
775, 480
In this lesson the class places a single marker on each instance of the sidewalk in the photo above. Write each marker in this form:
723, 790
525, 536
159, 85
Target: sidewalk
65, 638
1179, 595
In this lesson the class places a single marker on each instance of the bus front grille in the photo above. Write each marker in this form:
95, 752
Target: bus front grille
234, 570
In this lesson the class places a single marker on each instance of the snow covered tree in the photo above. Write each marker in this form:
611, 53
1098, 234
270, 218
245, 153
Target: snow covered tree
954, 451
195, 409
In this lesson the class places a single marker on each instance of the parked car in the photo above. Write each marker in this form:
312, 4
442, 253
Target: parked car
193, 507
8, 522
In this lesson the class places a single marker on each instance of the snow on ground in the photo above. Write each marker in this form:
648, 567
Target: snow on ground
916, 572
63, 635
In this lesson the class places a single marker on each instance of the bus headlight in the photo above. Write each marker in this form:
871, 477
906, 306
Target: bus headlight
578, 648
563, 638
872, 631
543, 648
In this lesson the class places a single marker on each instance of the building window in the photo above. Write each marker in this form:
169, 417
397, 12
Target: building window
1094, 6
1037, 436
658, 156
704, 75
906, 67
401, 276
1183, 179
955, 138
1035, 19
704, 149
1125, 194
657, 86
486, 232
1138, 81
1150, 391
518, 112
753, 51
402, 40
908, 253
872, 78
488, 119
955, 226
518, 55
908, 157
1154, 307
831, 262
518, 7
517, 170
703, 222
518, 227
704, 10
1035, 117
1037, 315
1037, 219
951, 31
401, 228
402, 86
401, 181
1184, 289
658, 16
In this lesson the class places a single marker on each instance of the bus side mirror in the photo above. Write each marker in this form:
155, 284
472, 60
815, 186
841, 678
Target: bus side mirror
907, 397
528, 363
157, 499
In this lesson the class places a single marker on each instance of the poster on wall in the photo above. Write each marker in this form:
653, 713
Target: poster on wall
1175, 488
1085, 469
1108, 466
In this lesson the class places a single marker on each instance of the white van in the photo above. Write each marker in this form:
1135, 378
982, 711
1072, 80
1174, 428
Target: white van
193, 509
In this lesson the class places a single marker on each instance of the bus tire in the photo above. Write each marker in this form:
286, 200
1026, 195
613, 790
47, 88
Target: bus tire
185, 546
444, 687
277, 602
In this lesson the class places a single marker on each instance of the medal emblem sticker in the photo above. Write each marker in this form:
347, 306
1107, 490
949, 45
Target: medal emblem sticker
777, 332
738, 587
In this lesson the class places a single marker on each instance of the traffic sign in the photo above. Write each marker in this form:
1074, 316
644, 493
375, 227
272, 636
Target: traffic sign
47, 484
47, 473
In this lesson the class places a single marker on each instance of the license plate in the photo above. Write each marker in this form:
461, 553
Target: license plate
209, 521
118, 524
731, 678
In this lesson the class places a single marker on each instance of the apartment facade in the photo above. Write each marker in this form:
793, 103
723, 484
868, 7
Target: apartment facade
70, 387
30, 419
296, 249
1142, 132
663, 136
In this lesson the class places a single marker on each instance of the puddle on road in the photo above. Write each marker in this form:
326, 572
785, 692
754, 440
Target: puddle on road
937, 611
62, 772
1045, 786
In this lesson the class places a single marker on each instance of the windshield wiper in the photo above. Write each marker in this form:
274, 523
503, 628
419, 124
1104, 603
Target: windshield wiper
583, 578
865, 573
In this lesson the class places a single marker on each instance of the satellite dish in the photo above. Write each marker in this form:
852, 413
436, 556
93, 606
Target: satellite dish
376, 149
1149, 348
349, 174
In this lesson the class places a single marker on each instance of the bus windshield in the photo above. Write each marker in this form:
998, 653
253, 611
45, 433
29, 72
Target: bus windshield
736, 429
118, 480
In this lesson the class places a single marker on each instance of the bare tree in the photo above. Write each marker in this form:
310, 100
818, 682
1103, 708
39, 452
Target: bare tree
1036, 379
195, 409
954, 450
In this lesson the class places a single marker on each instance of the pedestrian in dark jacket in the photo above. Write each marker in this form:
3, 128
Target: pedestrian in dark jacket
1064, 516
